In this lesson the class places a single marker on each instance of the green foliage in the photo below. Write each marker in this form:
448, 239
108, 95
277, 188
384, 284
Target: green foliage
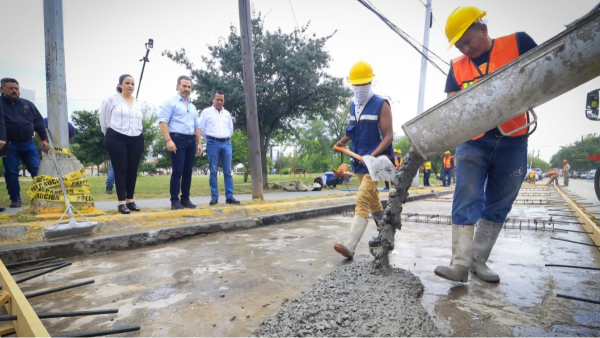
151, 131
88, 145
538, 163
402, 143
577, 152
285, 171
291, 79
315, 142
146, 167
239, 145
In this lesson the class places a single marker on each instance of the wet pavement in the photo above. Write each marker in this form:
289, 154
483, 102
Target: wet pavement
224, 284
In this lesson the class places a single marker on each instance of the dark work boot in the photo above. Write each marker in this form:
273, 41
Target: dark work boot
15, 203
109, 190
175, 205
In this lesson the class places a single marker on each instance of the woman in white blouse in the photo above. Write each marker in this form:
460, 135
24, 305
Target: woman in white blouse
121, 122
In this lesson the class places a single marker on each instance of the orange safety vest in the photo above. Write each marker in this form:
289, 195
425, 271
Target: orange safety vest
504, 50
553, 172
447, 162
399, 160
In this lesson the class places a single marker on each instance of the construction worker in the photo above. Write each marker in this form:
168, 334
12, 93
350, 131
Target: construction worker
372, 134
531, 177
427, 174
397, 162
566, 171
500, 159
553, 174
447, 167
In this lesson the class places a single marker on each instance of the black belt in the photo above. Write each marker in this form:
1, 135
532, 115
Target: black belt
182, 135
217, 139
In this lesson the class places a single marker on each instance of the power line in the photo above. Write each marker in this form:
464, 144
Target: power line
293, 13
414, 43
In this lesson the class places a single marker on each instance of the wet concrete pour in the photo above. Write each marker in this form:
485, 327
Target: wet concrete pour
196, 287
356, 300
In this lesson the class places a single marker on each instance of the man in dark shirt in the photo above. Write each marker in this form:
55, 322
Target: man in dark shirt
498, 156
22, 119
71, 130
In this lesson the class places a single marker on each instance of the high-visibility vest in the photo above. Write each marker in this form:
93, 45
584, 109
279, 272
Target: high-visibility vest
399, 161
427, 165
504, 50
447, 162
454, 158
565, 168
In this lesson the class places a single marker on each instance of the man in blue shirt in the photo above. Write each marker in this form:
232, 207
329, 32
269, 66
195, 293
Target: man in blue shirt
180, 126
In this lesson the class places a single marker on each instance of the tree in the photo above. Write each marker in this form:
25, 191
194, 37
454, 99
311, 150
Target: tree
239, 145
150, 130
402, 143
577, 152
291, 79
538, 163
90, 139
337, 122
315, 142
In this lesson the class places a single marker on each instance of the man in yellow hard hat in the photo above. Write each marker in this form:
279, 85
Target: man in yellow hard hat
499, 155
371, 133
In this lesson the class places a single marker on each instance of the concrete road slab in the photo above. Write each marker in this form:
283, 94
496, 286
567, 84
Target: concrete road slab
196, 287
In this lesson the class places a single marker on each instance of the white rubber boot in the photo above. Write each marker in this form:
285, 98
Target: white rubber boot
485, 238
346, 249
462, 249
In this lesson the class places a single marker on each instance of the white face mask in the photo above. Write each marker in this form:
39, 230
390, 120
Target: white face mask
362, 94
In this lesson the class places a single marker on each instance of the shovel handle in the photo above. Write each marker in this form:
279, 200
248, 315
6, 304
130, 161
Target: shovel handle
348, 151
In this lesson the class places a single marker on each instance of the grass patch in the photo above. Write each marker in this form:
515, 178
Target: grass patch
148, 187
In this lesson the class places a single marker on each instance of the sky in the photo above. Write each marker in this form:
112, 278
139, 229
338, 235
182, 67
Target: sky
104, 39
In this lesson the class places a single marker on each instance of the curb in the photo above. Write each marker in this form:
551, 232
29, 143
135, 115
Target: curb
153, 236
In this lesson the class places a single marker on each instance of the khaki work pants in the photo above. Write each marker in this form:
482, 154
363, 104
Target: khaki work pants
553, 178
566, 178
367, 200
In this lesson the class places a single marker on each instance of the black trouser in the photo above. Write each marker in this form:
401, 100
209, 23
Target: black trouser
125, 153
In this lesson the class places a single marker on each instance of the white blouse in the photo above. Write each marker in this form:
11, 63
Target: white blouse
120, 116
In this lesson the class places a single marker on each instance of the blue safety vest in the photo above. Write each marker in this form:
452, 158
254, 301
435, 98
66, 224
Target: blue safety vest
365, 133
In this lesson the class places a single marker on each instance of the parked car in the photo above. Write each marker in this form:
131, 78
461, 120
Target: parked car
538, 174
591, 175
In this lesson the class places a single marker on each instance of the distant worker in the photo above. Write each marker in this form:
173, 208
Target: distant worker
372, 134
566, 171
553, 174
447, 167
427, 174
531, 177
493, 155
398, 162
71, 130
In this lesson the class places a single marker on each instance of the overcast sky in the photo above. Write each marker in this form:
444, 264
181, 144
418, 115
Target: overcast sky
104, 39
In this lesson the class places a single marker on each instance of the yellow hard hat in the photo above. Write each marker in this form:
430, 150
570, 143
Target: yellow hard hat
447, 152
361, 73
460, 20
398, 151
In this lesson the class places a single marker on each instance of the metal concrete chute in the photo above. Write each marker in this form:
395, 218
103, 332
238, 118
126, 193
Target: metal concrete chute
560, 64
73, 227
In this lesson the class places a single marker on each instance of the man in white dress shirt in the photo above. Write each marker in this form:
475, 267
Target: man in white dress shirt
217, 126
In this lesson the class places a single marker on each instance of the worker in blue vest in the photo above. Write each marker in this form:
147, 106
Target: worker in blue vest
372, 134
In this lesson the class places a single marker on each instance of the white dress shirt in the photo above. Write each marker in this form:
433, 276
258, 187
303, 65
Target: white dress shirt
120, 116
216, 124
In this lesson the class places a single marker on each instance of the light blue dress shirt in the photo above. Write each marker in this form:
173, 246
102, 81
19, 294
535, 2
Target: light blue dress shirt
181, 118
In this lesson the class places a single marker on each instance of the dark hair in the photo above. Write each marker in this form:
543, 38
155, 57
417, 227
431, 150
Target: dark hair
7, 80
217, 92
183, 77
121, 79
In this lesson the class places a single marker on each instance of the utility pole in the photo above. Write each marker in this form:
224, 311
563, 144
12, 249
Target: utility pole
421, 101
250, 94
58, 117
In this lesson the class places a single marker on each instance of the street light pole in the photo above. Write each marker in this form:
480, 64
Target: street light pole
421, 101
250, 94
